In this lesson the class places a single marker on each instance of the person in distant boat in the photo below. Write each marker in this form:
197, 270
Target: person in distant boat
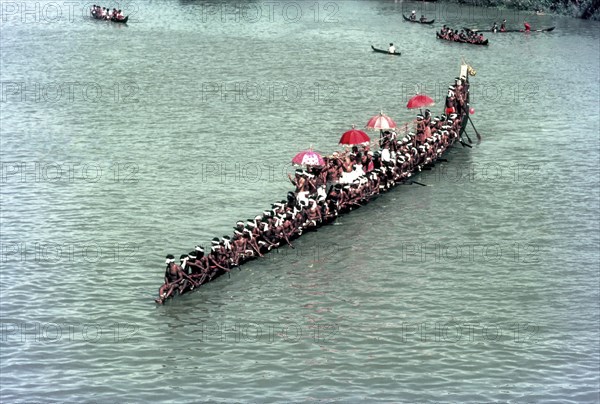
527, 26
503, 26
423, 19
413, 15
120, 15
392, 48
495, 27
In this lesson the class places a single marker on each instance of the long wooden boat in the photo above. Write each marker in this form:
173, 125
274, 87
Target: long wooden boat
484, 43
498, 31
417, 21
382, 175
384, 51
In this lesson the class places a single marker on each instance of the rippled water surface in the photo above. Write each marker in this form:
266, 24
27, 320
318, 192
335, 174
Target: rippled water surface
121, 144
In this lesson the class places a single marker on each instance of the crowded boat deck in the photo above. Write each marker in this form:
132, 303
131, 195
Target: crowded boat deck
341, 182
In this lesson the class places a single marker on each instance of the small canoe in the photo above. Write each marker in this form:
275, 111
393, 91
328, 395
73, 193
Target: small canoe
123, 21
384, 51
470, 43
550, 29
417, 21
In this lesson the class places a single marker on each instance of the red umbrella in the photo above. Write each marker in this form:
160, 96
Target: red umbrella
420, 101
308, 158
380, 122
354, 136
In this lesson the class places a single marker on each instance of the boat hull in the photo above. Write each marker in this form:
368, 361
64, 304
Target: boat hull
484, 43
384, 51
425, 165
418, 21
115, 20
550, 29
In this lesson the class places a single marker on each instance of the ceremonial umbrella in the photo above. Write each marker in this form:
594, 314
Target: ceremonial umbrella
381, 121
420, 101
308, 158
354, 136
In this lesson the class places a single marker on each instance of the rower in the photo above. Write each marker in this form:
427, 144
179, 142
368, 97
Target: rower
495, 27
392, 48
503, 26
527, 26
173, 278
413, 15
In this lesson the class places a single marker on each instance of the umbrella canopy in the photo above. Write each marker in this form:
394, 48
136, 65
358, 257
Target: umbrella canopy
381, 121
420, 101
354, 136
308, 158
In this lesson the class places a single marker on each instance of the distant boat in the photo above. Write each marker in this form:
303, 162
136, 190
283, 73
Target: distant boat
384, 51
123, 21
467, 42
417, 21
510, 30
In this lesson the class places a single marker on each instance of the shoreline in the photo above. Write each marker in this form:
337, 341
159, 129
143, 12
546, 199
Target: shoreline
585, 9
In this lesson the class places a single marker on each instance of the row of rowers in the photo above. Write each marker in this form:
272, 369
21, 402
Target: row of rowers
433, 134
306, 209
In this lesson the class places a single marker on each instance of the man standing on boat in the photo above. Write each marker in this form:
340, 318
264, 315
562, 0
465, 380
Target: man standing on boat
413, 15
495, 27
503, 26
527, 26
392, 48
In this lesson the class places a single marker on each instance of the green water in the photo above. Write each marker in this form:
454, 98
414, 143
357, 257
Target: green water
121, 144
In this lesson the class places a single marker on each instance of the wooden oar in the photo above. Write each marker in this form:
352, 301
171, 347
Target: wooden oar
465, 144
477, 133
467, 135
418, 183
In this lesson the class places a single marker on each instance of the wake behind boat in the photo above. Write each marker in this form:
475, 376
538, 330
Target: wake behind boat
385, 51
